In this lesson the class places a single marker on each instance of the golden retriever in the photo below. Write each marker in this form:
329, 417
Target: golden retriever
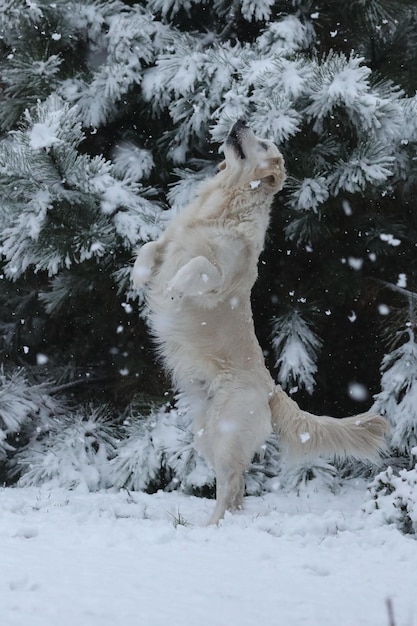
198, 278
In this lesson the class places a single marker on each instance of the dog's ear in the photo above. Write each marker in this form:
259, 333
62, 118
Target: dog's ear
272, 173
221, 166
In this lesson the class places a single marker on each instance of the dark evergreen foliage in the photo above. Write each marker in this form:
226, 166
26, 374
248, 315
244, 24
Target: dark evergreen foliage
110, 112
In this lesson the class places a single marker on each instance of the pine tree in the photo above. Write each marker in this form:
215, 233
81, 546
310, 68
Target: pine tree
110, 112
26, 412
74, 453
398, 398
297, 347
393, 498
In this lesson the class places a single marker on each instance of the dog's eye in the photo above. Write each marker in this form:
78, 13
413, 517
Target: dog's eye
263, 145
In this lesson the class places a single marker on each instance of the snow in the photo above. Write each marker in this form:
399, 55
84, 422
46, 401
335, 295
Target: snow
310, 193
132, 161
355, 263
358, 391
307, 557
41, 359
390, 239
288, 34
347, 83
296, 347
293, 77
383, 309
44, 135
402, 280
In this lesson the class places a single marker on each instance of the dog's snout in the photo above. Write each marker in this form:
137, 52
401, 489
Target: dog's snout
241, 123
234, 137
238, 126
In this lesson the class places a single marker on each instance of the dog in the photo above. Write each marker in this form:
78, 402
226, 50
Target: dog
198, 278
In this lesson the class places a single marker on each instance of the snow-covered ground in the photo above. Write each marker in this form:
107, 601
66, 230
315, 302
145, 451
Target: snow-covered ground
289, 559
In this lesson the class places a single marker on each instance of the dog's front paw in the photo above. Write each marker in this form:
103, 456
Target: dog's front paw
140, 276
174, 291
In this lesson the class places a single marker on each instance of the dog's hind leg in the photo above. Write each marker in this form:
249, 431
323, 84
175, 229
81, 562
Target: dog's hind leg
238, 426
230, 486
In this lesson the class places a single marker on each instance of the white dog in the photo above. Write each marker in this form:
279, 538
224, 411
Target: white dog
199, 277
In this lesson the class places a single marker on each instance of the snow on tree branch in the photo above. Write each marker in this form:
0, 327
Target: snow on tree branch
296, 347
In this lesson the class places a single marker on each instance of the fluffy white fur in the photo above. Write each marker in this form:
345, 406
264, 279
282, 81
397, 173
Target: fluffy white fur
199, 277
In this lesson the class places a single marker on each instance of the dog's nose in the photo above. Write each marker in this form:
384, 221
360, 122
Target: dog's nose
238, 126
234, 137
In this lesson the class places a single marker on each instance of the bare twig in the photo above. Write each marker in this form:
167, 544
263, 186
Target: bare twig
388, 285
390, 609
230, 23
76, 383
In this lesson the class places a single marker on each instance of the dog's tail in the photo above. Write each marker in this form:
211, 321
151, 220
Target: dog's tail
303, 435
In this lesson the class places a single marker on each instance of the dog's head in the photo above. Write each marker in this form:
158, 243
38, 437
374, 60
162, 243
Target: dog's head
252, 162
